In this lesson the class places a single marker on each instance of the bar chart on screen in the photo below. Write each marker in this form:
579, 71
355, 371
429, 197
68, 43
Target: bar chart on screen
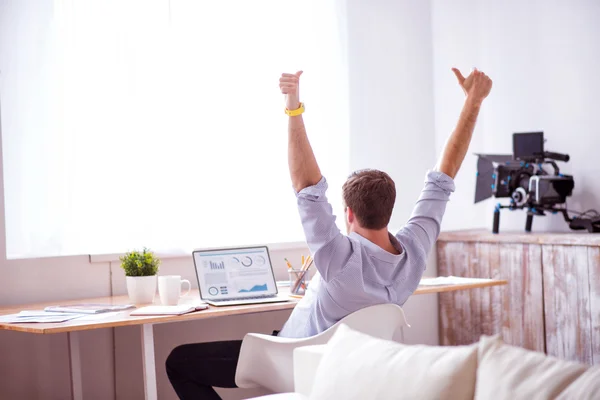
214, 265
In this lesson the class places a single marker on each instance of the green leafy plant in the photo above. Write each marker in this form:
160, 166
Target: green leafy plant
144, 263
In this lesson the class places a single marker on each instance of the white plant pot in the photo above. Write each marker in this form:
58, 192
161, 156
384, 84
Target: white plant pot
141, 289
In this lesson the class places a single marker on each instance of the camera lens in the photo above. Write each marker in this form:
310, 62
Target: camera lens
519, 196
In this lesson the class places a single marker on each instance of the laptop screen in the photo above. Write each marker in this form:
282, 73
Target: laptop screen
234, 273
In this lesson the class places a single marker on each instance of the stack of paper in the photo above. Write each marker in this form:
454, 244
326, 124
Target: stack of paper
37, 316
89, 308
42, 316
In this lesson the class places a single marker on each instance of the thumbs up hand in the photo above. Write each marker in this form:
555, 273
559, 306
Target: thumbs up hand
476, 86
290, 86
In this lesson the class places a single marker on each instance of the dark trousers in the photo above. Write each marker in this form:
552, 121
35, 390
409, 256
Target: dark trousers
194, 369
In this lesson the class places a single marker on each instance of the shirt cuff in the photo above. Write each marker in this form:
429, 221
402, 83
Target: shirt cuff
314, 191
441, 180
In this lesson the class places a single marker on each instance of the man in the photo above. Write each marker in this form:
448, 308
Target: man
366, 267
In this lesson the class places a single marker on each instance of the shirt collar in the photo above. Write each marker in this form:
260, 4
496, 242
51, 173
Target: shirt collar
378, 251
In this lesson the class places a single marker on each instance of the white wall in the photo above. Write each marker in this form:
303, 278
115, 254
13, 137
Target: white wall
391, 114
544, 58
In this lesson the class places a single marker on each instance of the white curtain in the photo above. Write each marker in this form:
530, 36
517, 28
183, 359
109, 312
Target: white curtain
130, 123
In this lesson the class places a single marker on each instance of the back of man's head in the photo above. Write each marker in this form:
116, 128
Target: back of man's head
370, 194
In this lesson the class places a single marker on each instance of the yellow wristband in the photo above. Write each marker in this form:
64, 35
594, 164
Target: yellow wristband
296, 112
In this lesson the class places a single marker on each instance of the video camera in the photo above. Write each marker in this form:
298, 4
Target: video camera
522, 178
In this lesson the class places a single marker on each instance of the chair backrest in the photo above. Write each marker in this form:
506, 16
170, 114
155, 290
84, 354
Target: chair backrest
380, 321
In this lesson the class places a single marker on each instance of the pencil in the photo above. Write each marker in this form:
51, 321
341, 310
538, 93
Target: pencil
301, 276
288, 263
296, 286
308, 263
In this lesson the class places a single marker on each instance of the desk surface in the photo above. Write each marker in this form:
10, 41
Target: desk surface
124, 319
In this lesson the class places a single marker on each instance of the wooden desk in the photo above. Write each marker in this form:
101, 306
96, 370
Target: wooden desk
72, 328
124, 319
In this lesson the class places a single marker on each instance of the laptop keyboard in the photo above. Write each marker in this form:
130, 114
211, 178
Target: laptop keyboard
244, 299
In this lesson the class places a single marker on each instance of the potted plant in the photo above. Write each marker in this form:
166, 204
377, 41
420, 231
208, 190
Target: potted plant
140, 273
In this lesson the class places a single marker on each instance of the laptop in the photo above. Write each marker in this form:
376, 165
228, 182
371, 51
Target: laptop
236, 276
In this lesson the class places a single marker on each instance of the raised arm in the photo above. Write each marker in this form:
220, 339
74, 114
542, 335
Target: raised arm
330, 248
425, 222
304, 169
476, 87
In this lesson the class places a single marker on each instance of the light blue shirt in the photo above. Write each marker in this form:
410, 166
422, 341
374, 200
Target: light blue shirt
353, 272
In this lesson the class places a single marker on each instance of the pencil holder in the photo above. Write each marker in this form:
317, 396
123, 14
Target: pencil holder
298, 281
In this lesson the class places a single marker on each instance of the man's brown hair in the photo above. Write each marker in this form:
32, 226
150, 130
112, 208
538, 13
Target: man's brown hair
371, 195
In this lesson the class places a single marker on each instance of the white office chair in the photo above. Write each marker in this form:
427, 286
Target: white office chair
267, 361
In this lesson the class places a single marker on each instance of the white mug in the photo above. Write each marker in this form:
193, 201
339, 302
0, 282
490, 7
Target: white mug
169, 289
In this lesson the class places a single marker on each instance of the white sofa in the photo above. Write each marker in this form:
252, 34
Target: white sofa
353, 366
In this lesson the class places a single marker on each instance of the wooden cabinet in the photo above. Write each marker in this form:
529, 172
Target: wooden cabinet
552, 300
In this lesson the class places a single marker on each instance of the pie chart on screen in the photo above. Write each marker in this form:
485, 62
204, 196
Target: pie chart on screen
246, 261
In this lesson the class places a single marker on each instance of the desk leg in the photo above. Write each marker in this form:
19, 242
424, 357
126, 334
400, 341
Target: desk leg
149, 362
75, 366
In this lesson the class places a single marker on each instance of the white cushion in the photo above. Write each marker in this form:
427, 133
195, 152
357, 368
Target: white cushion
508, 372
586, 387
356, 366
306, 363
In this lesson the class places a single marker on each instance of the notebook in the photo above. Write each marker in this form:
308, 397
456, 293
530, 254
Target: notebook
89, 308
170, 310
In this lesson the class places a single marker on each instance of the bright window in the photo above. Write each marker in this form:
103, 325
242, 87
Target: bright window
160, 123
